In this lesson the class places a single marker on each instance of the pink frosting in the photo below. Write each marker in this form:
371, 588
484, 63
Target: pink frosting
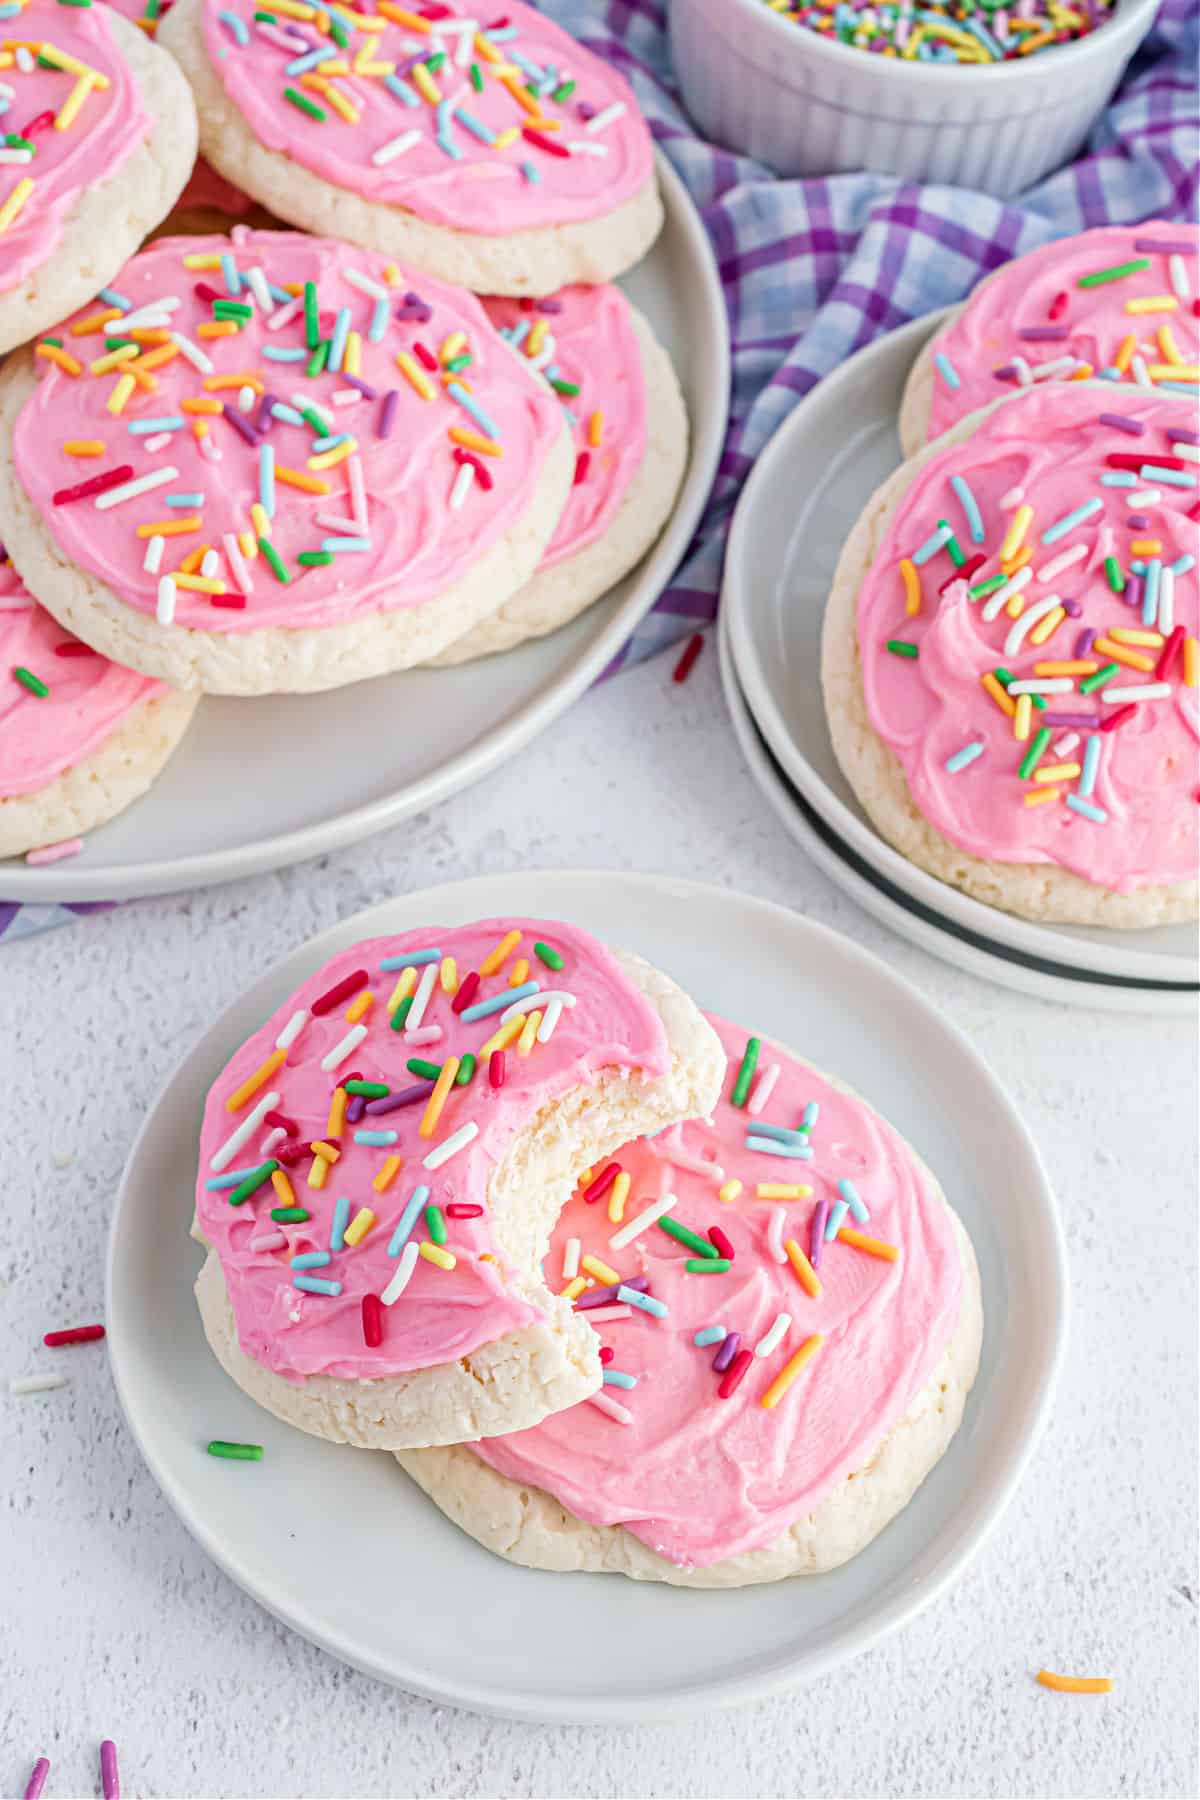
698, 1477
1041, 293
443, 1313
107, 129
418, 544
590, 345
89, 696
474, 186
1049, 450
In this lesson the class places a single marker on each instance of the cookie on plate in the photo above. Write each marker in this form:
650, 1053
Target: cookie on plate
382, 1163
1116, 303
1009, 660
813, 1331
504, 156
314, 467
630, 429
80, 738
99, 135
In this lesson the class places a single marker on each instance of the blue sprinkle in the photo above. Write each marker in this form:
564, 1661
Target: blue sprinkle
970, 507
312, 1259
711, 1334
337, 1231
470, 405
1170, 477
281, 353
313, 1284
783, 1134
933, 544
771, 1147
229, 271
812, 1113
1150, 592
447, 148
854, 1201
836, 1219
408, 1220
337, 341
617, 1378
302, 64
947, 371
644, 1302
330, 441
1183, 565
1091, 764
475, 126
379, 323
415, 959
1119, 478
401, 90
1086, 809
963, 757
145, 427
184, 500
266, 478
1069, 520
288, 414
531, 174
483, 1009
340, 544
237, 29
230, 1179
376, 1137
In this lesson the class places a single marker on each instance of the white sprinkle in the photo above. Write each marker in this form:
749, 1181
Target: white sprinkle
606, 1404
999, 600
1189, 452
462, 486
1065, 560
1140, 372
209, 450
164, 610
1028, 619
604, 119
210, 565
1060, 365
695, 1165
1053, 684
129, 490
275, 1136
221, 1158
343, 1047
541, 999
343, 527
424, 1034
358, 494
1064, 746
346, 397
1166, 601
775, 1234
1179, 277
550, 1018
256, 281
658, 1209
152, 561
37, 1384
192, 352
458, 1140
403, 1275
1023, 372
570, 1268
246, 398
581, 147
773, 1338
1014, 497
154, 314
269, 1240
366, 284
1147, 690
1144, 497
25, 61
286, 314
158, 442
397, 147
16, 156
764, 1087
300, 401
292, 1029
421, 997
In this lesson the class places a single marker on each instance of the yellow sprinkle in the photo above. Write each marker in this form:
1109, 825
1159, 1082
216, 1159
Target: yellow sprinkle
114, 359
200, 584
912, 587
529, 1033
445, 1259
281, 1182
1045, 628
505, 138
996, 690
804, 1354
199, 428
520, 973
500, 1040
1153, 303
392, 274
1130, 659
253, 1082
437, 1100
361, 1003
574, 1288
405, 984
293, 9
1014, 537
1125, 354
448, 975
341, 105
120, 395
1022, 716
260, 520
1121, 634
1042, 796
782, 1190
84, 446
336, 1122
318, 1174
595, 430
327, 1152
52, 54
65, 361
95, 322
168, 527
309, 484
329, 459
600, 1270
872, 1245
1191, 662
474, 440
496, 958
1166, 343
359, 1226
207, 261
1067, 771
352, 356
618, 1193
1075, 1684
584, 1179
248, 544
807, 1276
452, 346
387, 1174
425, 85
1174, 371
730, 1191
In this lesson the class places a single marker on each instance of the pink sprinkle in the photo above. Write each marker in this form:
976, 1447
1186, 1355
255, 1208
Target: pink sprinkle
269, 1240
775, 1235
606, 1404
52, 853
110, 1779
601, 1315
37, 1779
764, 1087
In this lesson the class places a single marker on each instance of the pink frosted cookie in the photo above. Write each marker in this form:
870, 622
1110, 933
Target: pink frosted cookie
99, 137
80, 738
415, 133
788, 1354
1010, 656
1121, 303
315, 468
630, 428
381, 1165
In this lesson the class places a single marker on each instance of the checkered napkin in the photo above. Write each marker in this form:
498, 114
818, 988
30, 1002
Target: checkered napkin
813, 270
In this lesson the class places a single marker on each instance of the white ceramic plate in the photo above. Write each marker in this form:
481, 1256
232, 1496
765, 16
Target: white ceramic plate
339, 1544
795, 512
260, 783
933, 931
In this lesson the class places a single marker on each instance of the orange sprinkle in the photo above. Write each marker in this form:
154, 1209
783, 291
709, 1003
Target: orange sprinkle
283, 1187
871, 1245
996, 690
191, 562
1121, 653
217, 328
253, 1082
203, 406
1042, 796
806, 1275
1075, 1684
214, 383
496, 958
66, 362
1065, 668
170, 527
791, 1369
595, 434
84, 447
1017, 561
1146, 546
912, 586
1191, 662
362, 1003
387, 1174
94, 322
327, 1152
336, 1121
1126, 353
474, 440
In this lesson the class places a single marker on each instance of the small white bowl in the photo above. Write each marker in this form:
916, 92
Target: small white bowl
806, 105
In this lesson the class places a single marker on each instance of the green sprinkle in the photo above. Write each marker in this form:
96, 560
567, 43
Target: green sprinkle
119, 343
436, 63
954, 549
1035, 752
435, 1224
316, 362
986, 587
235, 1452
313, 418
303, 102
58, 343
699, 1265
400, 1016
79, 3
315, 559
289, 1215
567, 388
476, 78
466, 1070
1117, 273
272, 555
14, 141
1115, 573
898, 647
29, 680
231, 309
152, 8
458, 363
1092, 682
370, 1090
312, 323
563, 92
256, 1179
1005, 676
428, 1071
745, 1074
550, 957
683, 1234
338, 32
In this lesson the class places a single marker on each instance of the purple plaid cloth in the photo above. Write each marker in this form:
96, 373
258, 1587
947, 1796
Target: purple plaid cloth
813, 270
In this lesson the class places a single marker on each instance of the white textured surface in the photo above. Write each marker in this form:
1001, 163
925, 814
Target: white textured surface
116, 1624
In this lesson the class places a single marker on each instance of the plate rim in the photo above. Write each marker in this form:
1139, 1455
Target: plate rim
785, 1673
1026, 936
65, 884
964, 952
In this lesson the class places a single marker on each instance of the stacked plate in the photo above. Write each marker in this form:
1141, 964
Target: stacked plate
794, 514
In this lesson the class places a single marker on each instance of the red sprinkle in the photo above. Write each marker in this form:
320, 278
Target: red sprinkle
483, 474
735, 1374
687, 661
965, 573
233, 602
466, 992
583, 463
97, 484
1170, 653
74, 648
341, 990
1059, 304
1124, 459
606, 1355
459, 1210
282, 1122
602, 1183
202, 291
496, 1067
543, 142
290, 1154
425, 356
1118, 718
78, 1334
372, 1320
41, 123
717, 1236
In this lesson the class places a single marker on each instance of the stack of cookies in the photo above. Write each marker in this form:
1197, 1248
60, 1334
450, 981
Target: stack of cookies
391, 411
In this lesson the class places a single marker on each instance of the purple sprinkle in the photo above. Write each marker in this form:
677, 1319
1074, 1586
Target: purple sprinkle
1072, 609
408, 1096
727, 1349
387, 412
1178, 435
1162, 247
411, 299
355, 1107
586, 110
816, 1240
110, 1779
602, 1296
1138, 521
410, 63
265, 417
1133, 591
1083, 644
1119, 422
1065, 718
1044, 334
37, 1779
241, 423
550, 306
1006, 373
363, 387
